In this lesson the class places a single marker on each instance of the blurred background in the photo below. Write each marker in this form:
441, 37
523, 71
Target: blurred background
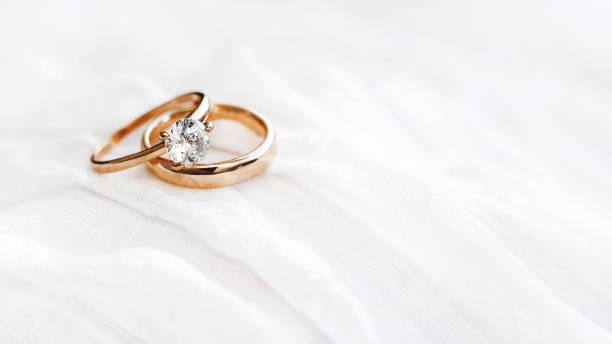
442, 174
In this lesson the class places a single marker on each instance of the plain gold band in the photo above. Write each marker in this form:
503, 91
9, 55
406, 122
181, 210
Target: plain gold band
194, 104
219, 174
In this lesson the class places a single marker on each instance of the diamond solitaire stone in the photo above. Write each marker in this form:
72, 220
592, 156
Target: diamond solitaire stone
186, 142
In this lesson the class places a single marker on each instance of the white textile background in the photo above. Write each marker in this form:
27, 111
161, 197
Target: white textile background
443, 174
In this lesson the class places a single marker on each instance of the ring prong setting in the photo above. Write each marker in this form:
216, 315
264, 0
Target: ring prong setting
164, 134
186, 143
208, 126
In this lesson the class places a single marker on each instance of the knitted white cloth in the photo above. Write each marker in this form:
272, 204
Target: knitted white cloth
443, 174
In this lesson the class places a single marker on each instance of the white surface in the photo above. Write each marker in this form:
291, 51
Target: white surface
443, 174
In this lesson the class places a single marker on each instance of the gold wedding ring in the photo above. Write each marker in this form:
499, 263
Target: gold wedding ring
179, 129
218, 174
195, 104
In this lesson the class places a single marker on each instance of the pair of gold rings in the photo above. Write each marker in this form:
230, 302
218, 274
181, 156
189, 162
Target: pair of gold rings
179, 129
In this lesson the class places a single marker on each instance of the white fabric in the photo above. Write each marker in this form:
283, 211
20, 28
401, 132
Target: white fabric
442, 175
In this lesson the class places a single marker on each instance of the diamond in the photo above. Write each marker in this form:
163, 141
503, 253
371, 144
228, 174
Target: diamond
187, 142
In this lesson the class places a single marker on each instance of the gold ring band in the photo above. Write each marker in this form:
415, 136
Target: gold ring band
195, 105
219, 174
